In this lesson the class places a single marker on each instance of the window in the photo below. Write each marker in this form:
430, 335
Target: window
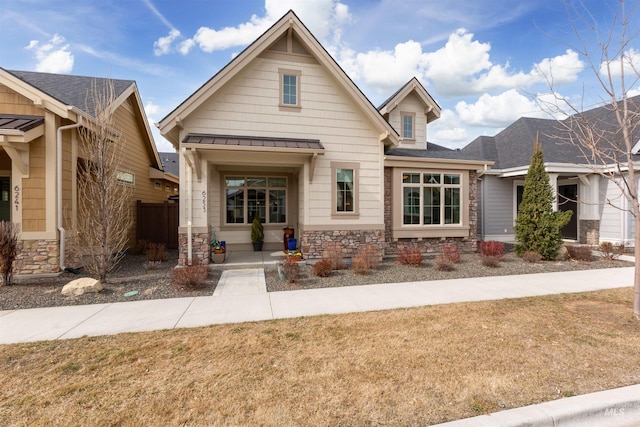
126, 178
431, 198
247, 196
345, 189
408, 125
289, 88
157, 185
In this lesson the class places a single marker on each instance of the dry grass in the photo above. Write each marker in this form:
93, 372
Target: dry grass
401, 367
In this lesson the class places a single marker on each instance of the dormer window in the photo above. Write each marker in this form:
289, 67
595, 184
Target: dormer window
289, 88
408, 125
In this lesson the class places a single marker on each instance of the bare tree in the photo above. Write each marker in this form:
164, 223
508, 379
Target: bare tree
104, 200
607, 140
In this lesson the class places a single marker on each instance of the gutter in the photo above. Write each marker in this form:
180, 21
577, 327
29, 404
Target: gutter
61, 229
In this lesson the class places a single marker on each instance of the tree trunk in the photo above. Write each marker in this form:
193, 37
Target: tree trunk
636, 276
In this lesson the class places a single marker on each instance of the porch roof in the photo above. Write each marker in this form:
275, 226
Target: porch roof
254, 142
19, 123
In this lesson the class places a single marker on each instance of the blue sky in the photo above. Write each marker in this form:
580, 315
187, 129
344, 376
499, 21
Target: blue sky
480, 59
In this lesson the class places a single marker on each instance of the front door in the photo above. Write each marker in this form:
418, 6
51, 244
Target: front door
5, 196
568, 201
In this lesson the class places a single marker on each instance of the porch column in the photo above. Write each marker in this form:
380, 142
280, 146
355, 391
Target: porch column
553, 181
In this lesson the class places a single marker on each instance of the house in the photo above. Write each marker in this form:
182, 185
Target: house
600, 211
40, 114
283, 133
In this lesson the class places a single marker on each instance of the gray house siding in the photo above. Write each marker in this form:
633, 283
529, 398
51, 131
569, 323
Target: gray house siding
497, 208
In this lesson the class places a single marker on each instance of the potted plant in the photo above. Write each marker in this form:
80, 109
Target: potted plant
257, 233
218, 250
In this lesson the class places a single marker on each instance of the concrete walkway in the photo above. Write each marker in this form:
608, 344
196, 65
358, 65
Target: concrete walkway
241, 296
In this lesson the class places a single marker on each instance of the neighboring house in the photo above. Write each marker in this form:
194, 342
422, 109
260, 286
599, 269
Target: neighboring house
283, 133
171, 167
600, 211
39, 153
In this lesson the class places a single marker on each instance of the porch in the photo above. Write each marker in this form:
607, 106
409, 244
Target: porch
235, 259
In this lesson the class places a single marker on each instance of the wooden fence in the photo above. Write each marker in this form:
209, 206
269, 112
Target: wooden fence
157, 223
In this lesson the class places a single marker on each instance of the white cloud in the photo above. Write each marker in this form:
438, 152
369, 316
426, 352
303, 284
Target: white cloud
53, 57
162, 46
461, 67
448, 131
498, 111
325, 19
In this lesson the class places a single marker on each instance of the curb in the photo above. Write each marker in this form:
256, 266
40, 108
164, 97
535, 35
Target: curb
616, 407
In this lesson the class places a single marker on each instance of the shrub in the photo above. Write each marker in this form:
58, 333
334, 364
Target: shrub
334, 256
490, 261
444, 264
580, 253
373, 255
611, 252
410, 256
140, 247
360, 263
8, 250
257, 230
532, 257
291, 270
322, 268
451, 252
537, 225
190, 277
491, 248
156, 252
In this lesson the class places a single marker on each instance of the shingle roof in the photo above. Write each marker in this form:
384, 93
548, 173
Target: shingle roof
252, 141
170, 163
18, 122
70, 90
513, 146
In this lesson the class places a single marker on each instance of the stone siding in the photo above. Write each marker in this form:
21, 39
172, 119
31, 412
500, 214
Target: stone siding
350, 241
589, 232
201, 249
37, 257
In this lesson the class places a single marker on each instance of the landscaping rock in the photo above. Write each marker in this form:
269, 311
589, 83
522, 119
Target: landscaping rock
563, 253
81, 286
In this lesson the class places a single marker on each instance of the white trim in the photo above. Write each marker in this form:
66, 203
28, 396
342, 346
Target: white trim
507, 238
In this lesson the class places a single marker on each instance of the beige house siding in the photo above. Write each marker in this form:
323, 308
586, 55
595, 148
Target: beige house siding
12, 102
248, 105
34, 212
411, 104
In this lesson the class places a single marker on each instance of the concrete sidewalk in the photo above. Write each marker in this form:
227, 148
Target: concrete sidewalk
241, 296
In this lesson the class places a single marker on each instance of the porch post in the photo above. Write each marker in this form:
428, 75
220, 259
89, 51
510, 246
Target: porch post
553, 180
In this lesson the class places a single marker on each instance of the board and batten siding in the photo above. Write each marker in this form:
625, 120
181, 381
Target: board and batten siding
248, 105
498, 207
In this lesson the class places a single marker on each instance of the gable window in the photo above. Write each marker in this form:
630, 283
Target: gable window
247, 196
345, 189
408, 125
431, 198
289, 88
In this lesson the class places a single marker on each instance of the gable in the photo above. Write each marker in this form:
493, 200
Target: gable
286, 38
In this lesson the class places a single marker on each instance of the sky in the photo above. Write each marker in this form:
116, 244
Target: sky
485, 62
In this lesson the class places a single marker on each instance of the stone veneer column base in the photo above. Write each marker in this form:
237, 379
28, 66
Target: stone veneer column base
350, 241
589, 232
200, 249
37, 257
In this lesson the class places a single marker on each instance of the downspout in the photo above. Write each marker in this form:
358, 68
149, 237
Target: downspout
61, 229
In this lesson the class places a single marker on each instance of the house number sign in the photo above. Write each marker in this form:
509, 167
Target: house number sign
16, 197
204, 201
